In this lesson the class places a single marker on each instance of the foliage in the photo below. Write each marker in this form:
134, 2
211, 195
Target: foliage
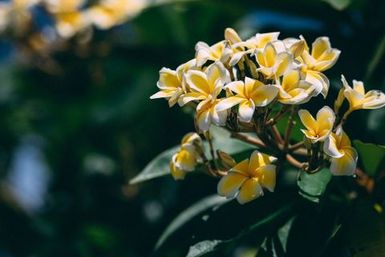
79, 109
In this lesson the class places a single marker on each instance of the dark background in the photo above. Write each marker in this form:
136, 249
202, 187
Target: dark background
72, 137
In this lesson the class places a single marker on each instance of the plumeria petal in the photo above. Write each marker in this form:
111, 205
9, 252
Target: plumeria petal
346, 165
229, 184
268, 177
249, 191
229, 102
246, 111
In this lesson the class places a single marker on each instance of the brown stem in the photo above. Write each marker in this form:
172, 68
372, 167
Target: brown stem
296, 146
277, 117
277, 135
293, 161
249, 139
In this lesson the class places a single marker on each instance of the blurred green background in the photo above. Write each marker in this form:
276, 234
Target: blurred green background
76, 124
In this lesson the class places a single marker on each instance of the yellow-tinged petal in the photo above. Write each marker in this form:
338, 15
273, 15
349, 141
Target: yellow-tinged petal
168, 78
249, 191
229, 102
359, 87
232, 36
319, 81
325, 118
269, 55
197, 81
237, 87
307, 120
267, 178
229, 184
203, 120
259, 159
320, 46
177, 173
346, 165
331, 147
374, 99
246, 110
242, 167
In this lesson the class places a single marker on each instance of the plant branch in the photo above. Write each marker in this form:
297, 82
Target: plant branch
249, 139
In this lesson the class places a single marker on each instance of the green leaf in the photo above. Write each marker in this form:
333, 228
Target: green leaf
159, 166
194, 210
312, 186
365, 231
224, 142
204, 247
339, 4
371, 156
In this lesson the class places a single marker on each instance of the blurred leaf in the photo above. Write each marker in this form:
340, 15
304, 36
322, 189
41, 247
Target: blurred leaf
339, 4
203, 248
366, 231
371, 156
312, 186
160, 165
157, 167
375, 60
195, 209
283, 233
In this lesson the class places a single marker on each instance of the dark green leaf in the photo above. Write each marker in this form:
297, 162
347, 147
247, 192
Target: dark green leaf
371, 156
194, 210
312, 186
203, 248
366, 231
157, 167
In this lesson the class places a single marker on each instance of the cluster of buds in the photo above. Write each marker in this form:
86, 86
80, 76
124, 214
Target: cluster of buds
67, 17
249, 86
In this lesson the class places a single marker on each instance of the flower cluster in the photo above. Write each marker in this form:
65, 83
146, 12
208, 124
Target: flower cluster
67, 17
248, 86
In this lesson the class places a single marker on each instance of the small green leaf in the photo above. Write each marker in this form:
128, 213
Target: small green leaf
339, 4
204, 247
194, 210
224, 142
371, 156
312, 186
157, 167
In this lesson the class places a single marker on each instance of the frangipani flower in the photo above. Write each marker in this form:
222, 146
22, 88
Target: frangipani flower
321, 58
208, 114
216, 52
293, 90
205, 85
109, 13
240, 48
249, 94
358, 99
171, 83
186, 159
343, 155
317, 129
246, 179
273, 64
